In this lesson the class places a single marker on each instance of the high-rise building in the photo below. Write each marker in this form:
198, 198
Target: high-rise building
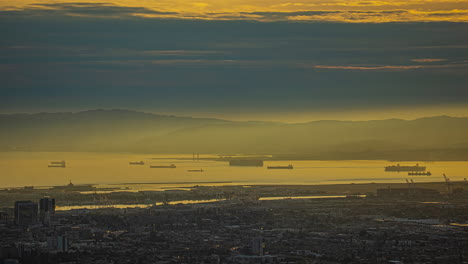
46, 209
62, 243
25, 213
47, 205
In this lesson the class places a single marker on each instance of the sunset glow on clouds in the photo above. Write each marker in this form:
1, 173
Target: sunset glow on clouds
264, 57
354, 11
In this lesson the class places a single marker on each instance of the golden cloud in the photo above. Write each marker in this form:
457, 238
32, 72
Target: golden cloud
355, 11
388, 67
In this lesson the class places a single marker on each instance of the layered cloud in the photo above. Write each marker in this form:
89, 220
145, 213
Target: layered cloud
390, 67
351, 11
214, 56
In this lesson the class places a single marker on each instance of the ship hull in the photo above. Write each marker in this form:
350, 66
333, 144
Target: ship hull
405, 168
57, 164
280, 167
248, 163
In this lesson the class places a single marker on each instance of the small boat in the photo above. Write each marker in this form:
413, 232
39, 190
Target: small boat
58, 164
172, 166
428, 173
289, 167
137, 163
200, 170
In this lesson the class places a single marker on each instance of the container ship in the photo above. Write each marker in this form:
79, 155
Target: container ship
75, 188
137, 163
399, 168
289, 167
58, 164
172, 166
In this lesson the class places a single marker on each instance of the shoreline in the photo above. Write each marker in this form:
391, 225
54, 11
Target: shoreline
218, 157
247, 184
193, 194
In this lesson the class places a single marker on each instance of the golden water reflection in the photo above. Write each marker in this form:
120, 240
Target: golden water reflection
113, 171
124, 206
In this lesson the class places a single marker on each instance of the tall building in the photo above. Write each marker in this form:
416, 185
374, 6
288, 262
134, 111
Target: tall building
25, 213
46, 209
62, 243
47, 205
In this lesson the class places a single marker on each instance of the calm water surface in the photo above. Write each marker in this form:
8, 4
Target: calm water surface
30, 168
123, 206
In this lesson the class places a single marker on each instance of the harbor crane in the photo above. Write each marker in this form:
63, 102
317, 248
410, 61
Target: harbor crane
410, 185
410, 182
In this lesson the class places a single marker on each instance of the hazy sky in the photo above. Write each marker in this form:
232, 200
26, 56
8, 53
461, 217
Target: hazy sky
238, 59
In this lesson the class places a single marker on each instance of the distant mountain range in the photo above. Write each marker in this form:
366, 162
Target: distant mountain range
430, 138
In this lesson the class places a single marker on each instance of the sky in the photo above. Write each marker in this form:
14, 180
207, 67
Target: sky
275, 60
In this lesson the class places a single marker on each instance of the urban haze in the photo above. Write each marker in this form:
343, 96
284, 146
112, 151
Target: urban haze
234, 132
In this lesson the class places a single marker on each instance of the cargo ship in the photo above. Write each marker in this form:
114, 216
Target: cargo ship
172, 166
428, 173
137, 163
399, 168
289, 167
74, 188
246, 162
200, 170
58, 164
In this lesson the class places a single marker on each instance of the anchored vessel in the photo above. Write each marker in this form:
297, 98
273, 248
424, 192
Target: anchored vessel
137, 163
246, 162
75, 188
289, 167
200, 170
172, 166
405, 168
58, 164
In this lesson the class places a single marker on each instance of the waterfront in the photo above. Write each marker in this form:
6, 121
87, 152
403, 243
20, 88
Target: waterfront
123, 206
30, 168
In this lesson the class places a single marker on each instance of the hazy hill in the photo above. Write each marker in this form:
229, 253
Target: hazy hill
440, 137
94, 130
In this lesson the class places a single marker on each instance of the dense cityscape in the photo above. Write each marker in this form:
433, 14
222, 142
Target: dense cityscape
391, 225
